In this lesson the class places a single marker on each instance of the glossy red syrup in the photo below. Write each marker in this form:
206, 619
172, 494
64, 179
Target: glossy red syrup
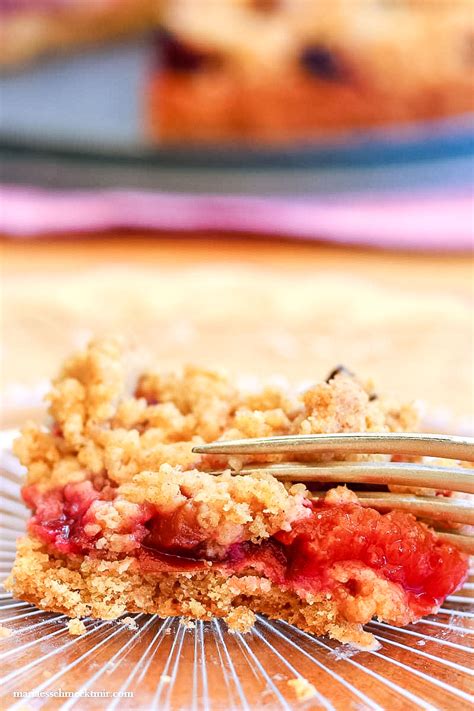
178, 533
394, 544
61, 514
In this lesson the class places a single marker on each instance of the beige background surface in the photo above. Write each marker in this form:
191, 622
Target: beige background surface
257, 307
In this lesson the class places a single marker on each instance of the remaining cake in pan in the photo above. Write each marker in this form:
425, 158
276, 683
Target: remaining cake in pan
32, 28
278, 69
125, 517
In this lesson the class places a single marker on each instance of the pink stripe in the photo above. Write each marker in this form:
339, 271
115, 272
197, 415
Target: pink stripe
440, 221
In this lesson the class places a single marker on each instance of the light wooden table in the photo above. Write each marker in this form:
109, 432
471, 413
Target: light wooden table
259, 307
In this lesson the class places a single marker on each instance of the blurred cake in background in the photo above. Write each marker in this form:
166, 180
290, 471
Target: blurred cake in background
277, 69
32, 28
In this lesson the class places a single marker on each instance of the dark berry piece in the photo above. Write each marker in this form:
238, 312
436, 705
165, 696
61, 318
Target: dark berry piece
339, 369
180, 56
323, 63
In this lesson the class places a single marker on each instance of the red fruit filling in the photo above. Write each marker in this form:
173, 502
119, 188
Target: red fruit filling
395, 545
61, 514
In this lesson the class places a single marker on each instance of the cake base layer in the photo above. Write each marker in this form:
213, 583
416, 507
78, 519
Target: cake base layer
87, 586
216, 105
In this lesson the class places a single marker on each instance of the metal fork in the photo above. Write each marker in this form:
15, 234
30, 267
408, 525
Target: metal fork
438, 477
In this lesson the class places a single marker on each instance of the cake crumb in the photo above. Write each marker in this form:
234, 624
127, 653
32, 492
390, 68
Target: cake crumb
303, 688
129, 623
346, 651
189, 624
240, 619
76, 626
4, 632
165, 678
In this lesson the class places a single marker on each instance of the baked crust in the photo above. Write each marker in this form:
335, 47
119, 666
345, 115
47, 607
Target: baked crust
218, 105
109, 589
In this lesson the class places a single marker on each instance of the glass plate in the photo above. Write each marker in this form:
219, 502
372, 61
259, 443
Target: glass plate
93, 135
169, 664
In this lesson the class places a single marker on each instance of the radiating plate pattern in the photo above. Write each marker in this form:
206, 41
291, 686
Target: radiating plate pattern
173, 664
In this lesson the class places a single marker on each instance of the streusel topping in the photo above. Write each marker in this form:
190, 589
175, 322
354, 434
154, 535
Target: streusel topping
101, 430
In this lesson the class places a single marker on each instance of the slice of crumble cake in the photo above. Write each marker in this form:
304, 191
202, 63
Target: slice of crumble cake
126, 518
286, 70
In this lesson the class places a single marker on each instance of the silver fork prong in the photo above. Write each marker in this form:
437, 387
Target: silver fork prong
432, 507
409, 443
464, 543
400, 473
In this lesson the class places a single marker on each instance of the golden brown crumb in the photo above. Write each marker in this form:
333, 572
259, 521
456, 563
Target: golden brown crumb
100, 426
129, 623
303, 689
4, 632
240, 619
76, 626
186, 622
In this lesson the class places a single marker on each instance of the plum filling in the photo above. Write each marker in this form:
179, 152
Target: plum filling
61, 514
180, 56
395, 545
323, 63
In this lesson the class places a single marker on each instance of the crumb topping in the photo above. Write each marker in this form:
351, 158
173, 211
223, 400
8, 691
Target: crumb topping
99, 428
129, 623
303, 689
240, 619
76, 626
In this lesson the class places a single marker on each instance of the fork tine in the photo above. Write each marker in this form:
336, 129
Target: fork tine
464, 543
402, 473
436, 445
433, 507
